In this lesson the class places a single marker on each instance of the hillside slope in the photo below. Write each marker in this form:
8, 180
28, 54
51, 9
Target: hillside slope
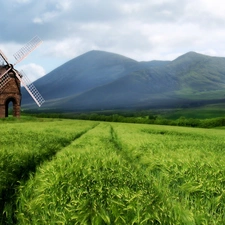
87, 71
101, 80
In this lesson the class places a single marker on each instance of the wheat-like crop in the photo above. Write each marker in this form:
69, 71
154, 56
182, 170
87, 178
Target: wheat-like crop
114, 173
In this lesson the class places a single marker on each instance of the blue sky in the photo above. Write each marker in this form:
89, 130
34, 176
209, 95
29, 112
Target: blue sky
143, 30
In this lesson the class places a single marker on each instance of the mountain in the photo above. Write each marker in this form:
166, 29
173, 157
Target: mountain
87, 71
101, 80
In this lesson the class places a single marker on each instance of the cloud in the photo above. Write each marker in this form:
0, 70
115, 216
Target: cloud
143, 30
32, 71
54, 10
22, 1
9, 49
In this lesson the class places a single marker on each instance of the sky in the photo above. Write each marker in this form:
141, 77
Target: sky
143, 30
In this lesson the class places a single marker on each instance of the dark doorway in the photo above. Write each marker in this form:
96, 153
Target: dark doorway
10, 107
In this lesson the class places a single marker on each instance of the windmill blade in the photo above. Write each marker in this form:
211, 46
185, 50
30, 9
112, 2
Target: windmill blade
27, 49
6, 72
2, 62
4, 79
32, 90
3, 58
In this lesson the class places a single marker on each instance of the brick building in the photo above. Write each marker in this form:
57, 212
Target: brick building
9, 92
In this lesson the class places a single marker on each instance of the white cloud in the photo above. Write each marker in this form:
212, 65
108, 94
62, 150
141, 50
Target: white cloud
143, 30
23, 1
55, 10
64, 5
65, 48
9, 49
215, 7
46, 17
129, 8
38, 20
32, 71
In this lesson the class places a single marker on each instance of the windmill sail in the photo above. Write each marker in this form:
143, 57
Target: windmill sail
3, 59
32, 89
4, 79
1, 62
27, 49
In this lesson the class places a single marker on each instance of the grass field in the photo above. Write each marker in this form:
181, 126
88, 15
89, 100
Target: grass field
208, 111
87, 172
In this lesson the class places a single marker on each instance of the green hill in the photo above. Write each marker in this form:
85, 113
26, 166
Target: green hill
102, 80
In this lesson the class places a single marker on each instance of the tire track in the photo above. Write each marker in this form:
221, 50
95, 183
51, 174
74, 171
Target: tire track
119, 148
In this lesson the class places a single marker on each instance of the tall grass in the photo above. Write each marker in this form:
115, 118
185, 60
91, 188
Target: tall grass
88, 183
187, 164
122, 174
23, 146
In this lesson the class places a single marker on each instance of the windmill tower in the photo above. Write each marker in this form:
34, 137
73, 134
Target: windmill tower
11, 81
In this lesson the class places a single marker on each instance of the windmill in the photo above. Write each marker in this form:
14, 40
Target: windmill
11, 80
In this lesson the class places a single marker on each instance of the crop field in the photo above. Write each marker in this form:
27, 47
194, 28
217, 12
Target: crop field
87, 172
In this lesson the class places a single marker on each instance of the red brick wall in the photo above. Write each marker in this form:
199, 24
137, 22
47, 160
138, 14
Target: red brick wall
10, 92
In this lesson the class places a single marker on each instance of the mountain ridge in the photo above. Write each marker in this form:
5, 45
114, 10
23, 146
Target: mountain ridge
103, 80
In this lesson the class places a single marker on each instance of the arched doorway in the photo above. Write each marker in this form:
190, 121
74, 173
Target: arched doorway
10, 105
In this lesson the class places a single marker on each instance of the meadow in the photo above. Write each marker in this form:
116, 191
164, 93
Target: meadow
56, 171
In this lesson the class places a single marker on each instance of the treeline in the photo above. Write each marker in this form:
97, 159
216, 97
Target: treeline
143, 119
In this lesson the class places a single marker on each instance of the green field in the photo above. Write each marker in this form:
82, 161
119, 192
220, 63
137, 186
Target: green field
86, 172
208, 111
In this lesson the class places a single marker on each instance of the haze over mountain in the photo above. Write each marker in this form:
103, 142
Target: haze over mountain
100, 80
